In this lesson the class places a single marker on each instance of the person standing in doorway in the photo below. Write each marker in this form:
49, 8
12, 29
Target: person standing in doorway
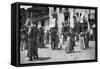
81, 39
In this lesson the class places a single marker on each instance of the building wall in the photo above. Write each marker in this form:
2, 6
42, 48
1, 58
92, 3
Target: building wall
47, 25
71, 10
51, 19
60, 19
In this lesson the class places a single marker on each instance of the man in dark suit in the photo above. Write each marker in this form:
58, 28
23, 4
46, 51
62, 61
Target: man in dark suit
41, 37
32, 42
47, 36
72, 35
53, 38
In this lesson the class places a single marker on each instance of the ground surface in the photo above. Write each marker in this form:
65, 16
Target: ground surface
48, 55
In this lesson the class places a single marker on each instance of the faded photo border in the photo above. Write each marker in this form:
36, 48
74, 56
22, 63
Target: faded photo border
55, 5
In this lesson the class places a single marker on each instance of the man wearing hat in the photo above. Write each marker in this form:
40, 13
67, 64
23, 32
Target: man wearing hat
32, 42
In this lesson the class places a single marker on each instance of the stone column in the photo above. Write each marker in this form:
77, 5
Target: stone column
71, 10
60, 20
50, 15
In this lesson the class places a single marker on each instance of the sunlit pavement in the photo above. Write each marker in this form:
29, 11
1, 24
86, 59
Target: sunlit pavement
48, 55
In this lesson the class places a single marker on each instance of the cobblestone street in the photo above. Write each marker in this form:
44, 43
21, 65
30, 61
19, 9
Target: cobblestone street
48, 55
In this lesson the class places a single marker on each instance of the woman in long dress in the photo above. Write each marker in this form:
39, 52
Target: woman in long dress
70, 42
86, 39
60, 40
81, 39
67, 50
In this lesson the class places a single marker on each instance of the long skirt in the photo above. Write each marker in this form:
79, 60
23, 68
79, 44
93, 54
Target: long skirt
41, 43
60, 42
69, 46
23, 45
47, 40
32, 49
82, 43
86, 40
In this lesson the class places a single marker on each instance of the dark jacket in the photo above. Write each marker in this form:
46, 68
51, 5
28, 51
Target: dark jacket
53, 34
32, 42
33, 36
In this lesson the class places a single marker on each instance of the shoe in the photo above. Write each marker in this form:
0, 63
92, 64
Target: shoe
34, 57
30, 59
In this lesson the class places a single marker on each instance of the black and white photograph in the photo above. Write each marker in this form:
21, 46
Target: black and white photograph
56, 34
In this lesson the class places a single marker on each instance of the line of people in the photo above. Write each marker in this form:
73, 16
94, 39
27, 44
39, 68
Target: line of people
35, 39
32, 38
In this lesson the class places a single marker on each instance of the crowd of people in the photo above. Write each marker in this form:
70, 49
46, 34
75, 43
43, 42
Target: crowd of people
32, 38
